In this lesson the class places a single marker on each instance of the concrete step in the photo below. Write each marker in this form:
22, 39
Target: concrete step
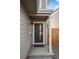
40, 53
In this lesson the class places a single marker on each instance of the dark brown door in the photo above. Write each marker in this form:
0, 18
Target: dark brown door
38, 33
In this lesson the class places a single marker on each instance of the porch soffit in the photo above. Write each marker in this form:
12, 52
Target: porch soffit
32, 8
30, 5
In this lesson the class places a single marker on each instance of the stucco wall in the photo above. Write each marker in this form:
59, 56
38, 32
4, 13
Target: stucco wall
25, 36
55, 19
55, 28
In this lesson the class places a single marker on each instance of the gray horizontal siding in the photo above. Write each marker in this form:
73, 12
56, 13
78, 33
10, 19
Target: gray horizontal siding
25, 37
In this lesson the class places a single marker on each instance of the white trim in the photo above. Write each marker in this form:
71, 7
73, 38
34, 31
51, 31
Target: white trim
50, 41
40, 4
38, 43
46, 4
33, 34
43, 9
43, 33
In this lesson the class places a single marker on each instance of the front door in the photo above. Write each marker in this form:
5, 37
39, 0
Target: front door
38, 34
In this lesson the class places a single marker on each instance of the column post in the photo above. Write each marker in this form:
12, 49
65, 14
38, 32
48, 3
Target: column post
50, 41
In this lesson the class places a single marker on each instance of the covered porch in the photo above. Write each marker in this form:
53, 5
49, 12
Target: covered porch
40, 21
41, 37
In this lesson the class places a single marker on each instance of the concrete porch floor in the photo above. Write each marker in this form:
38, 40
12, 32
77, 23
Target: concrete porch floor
40, 51
56, 51
43, 51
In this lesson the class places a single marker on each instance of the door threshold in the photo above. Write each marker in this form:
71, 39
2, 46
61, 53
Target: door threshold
38, 45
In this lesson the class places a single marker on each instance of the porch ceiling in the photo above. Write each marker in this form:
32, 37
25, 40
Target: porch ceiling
38, 18
32, 8
30, 5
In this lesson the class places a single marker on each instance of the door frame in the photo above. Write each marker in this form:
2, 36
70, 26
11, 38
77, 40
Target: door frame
34, 33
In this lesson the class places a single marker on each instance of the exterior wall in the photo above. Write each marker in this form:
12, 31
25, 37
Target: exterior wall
38, 4
42, 4
25, 34
55, 37
55, 19
55, 28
